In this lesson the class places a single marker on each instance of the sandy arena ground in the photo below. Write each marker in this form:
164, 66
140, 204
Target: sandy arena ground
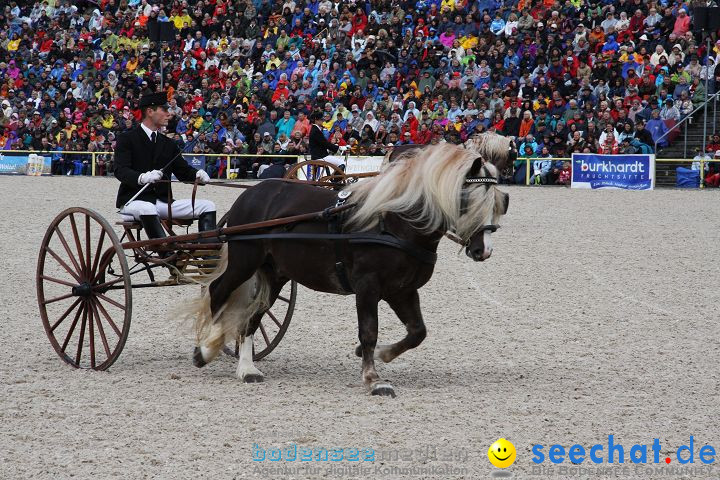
596, 315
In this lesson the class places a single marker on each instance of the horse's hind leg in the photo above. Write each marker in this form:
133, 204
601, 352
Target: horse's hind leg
246, 369
407, 308
223, 292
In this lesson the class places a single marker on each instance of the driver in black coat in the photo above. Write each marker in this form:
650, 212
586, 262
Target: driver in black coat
319, 146
145, 156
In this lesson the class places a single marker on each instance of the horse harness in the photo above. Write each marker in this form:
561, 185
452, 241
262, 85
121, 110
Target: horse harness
335, 217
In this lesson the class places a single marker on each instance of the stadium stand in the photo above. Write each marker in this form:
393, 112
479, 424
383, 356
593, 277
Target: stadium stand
243, 75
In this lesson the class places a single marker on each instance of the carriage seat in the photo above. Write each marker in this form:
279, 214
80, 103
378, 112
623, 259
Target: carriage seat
129, 221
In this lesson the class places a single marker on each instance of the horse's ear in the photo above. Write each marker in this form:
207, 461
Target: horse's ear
476, 167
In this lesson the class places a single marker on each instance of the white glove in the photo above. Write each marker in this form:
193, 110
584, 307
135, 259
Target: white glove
150, 177
342, 148
202, 176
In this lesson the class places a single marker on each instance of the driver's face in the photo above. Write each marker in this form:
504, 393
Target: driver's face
159, 116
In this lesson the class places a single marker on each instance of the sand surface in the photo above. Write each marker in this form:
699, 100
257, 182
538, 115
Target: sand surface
597, 314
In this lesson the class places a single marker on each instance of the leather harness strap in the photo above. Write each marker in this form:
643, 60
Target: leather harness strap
169, 204
386, 239
192, 199
335, 227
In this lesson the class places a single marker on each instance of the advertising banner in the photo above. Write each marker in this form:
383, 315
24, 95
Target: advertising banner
363, 164
24, 164
356, 164
195, 161
629, 172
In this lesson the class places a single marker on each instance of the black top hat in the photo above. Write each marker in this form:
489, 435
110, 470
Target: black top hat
158, 99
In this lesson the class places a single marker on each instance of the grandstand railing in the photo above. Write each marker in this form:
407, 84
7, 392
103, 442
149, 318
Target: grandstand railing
688, 118
94, 156
229, 171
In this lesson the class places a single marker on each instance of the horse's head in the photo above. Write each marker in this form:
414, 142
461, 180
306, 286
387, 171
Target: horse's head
481, 206
497, 149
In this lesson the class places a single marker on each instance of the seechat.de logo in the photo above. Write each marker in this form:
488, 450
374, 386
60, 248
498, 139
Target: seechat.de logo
616, 453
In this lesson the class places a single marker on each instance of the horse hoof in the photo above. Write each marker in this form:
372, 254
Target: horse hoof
358, 351
198, 359
383, 390
253, 378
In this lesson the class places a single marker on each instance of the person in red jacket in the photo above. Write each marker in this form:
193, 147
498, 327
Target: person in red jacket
637, 23
281, 90
423, 136
610, 146
359, 22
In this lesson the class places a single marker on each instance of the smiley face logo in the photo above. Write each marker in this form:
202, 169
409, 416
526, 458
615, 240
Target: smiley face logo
501, 453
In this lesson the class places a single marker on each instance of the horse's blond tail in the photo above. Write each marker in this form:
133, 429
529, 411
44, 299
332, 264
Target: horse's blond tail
232, 319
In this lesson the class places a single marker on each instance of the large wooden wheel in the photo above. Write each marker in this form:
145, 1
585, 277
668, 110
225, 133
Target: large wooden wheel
316, 171
273, 324
83, 289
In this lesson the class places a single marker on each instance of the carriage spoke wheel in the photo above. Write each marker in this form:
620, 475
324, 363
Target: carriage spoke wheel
317, 171
273, 324
83, 289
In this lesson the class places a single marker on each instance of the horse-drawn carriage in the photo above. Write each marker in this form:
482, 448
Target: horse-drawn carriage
86, 273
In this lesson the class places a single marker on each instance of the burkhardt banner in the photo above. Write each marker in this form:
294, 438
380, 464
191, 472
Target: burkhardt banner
630, 172
24, 164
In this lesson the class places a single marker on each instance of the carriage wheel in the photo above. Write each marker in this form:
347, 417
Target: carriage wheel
83, 289
317, 171
273, 325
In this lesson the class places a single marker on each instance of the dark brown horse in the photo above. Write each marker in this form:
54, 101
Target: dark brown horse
404, 212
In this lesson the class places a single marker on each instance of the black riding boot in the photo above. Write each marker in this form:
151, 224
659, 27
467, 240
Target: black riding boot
154, 229
152, 226
207, 221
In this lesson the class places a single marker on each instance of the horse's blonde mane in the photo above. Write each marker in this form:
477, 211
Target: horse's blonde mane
424, 187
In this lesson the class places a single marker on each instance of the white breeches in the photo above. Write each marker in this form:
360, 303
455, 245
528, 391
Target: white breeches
181, 209
335, 160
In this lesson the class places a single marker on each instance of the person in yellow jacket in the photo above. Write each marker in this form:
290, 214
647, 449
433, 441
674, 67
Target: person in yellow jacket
110, 43
450, 4
470, 41
180, 20
131, 64
108, 121
13, 44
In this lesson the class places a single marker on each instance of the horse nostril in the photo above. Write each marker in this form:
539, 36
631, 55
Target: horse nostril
477, 252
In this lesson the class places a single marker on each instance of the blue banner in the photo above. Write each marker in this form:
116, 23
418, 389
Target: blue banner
630, 172
24, 164
195, 161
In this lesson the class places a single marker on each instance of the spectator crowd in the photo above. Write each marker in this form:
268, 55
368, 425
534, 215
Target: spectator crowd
243, 76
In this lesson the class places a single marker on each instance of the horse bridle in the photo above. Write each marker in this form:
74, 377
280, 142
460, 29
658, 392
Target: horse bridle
465, 198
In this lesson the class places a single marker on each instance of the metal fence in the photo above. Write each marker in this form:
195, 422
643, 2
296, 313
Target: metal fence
96, 156
230, 172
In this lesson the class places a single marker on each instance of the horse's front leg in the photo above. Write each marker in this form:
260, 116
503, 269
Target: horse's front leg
407, 308
367, 308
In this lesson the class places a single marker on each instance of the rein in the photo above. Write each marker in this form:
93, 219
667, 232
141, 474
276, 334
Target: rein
243, 185
230, 232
